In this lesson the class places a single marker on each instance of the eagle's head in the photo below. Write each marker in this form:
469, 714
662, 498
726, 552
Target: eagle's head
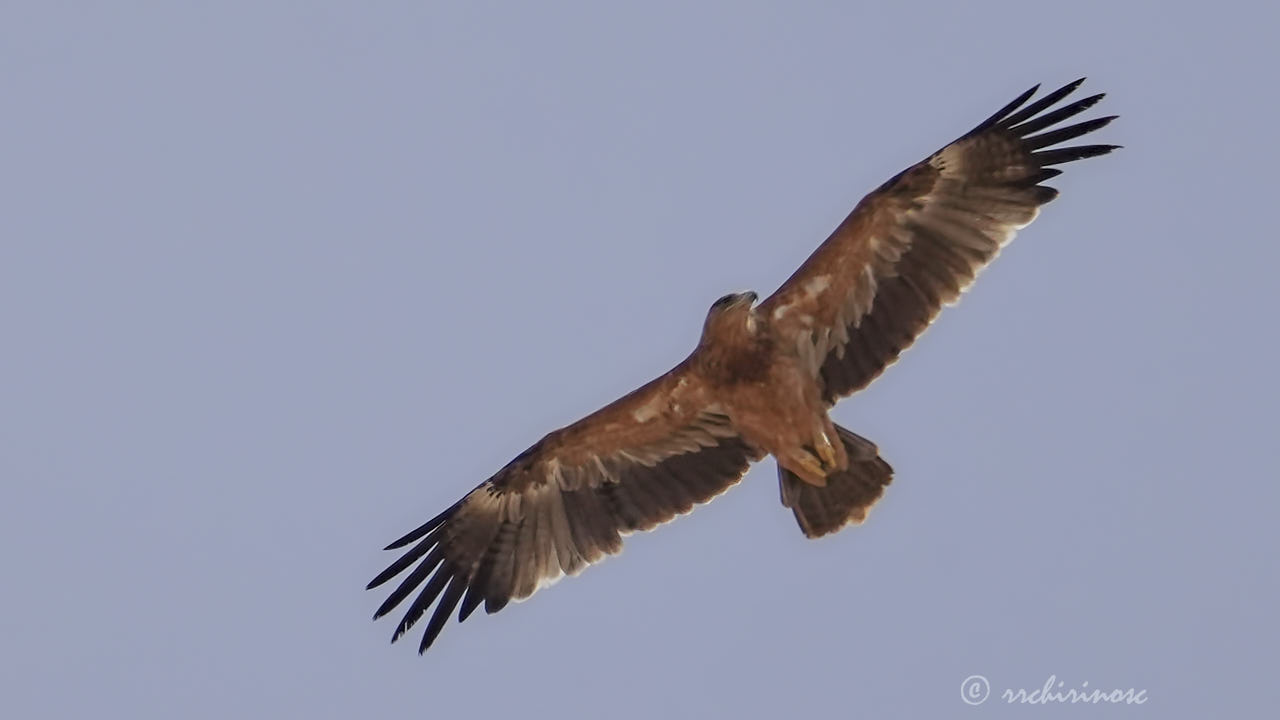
732, 300
729, 317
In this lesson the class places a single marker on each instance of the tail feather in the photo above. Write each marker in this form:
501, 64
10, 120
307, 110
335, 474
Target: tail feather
848, 494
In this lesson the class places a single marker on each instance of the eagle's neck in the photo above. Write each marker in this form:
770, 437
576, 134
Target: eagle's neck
734, 349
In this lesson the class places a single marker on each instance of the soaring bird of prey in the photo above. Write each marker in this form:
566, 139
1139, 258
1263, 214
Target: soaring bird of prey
760, 382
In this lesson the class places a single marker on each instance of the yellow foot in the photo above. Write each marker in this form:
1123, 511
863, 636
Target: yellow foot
810, 469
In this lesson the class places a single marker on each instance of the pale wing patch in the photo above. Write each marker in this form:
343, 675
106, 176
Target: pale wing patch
814, 286
649, 410
547, 501
950, 160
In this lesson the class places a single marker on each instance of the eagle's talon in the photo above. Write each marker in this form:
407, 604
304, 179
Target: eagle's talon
811, 469
827, 454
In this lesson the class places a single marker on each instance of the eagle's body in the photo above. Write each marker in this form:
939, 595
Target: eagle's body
759, 382
766, 389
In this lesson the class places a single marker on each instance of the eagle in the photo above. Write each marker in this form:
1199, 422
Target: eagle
761, 381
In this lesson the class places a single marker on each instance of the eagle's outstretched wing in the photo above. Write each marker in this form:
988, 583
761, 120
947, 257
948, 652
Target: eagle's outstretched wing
916, 242
563, 503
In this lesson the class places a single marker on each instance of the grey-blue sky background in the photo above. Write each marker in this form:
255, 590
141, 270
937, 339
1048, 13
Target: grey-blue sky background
280, 280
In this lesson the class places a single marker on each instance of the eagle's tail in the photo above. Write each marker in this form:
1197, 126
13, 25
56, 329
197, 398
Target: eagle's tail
848, 494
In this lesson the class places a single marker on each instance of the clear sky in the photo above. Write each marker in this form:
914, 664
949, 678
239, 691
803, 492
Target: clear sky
278, 281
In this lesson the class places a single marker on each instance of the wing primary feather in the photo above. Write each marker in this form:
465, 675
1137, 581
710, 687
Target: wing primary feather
494, 604
544, 547
480, 581
1042, 104
472, 601
1065, 155
502, 576
404, 561
576, 507
567, 554
448, 602
1045, 174
999, 114
420, 604
410, 582
1071, 132
526, 554
1037, 124
423, 529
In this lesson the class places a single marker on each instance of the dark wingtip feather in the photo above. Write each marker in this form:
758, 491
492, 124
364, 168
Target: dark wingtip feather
1046, 195
420, 604
412, 581
1065, 155
1000, 114
1039, 122
493, 605
469, 603
457, 584
422, 529
387, 606
1071, 132
1041, 104
403, 562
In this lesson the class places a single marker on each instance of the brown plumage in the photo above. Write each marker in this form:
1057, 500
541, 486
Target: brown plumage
760, 381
